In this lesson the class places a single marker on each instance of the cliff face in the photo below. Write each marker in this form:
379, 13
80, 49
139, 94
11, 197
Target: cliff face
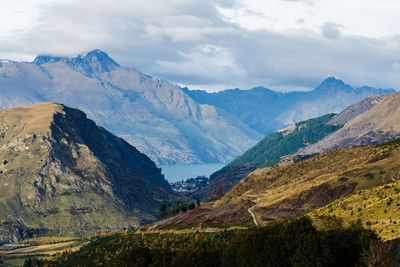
61, 173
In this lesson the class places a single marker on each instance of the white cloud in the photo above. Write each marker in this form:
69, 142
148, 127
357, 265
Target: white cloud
210, 43
331, 30
396, 66
368, 18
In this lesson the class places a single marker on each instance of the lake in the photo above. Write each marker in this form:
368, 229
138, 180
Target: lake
175, 173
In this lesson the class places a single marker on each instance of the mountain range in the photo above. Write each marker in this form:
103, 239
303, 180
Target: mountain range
155, 116
169, 124
61, 174
265, 110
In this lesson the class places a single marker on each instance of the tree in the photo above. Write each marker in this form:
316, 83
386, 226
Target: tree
163, 211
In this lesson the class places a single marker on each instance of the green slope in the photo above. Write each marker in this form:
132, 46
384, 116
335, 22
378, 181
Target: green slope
287, 141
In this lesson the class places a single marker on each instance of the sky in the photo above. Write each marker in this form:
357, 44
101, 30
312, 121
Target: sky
283, 45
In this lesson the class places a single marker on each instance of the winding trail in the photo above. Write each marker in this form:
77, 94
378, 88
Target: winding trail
253, 216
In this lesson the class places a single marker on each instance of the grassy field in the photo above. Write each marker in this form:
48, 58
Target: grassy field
42, 247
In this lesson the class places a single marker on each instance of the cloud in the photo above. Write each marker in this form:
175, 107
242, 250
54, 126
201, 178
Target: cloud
310, 2
396, 66
331, 30
301, 21
192, 43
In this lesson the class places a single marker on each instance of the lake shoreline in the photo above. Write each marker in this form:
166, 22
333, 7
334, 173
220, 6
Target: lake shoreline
176, 173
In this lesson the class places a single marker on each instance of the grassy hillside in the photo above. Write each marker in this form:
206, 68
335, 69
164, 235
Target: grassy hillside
287, 141
376, 208
298, 188
301, 187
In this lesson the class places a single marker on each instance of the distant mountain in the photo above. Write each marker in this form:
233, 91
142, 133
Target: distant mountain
155, 116
265, 110
61, 174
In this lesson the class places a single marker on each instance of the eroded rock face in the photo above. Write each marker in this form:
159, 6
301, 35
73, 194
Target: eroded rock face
61, 173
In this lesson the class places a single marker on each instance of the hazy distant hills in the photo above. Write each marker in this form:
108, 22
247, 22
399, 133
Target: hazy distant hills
157, 117
265, 110
61, 174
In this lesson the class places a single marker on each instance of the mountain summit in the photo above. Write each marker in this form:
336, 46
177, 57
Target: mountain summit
332, 83
63, 175
95, 61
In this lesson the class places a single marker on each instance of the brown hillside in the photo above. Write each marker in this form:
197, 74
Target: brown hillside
62, 174
301, 187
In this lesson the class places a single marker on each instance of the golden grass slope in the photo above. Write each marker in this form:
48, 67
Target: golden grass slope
377, 208
32, 118
304, 186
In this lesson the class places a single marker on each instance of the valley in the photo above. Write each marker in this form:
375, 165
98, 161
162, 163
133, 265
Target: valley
199, 133
69, 188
